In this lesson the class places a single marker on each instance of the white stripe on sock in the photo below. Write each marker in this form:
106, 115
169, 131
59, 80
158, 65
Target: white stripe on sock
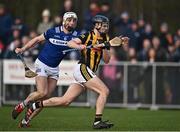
34, 106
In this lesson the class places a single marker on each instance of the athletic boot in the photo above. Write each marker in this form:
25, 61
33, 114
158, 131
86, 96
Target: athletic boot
102, 125
24, 124
17, 110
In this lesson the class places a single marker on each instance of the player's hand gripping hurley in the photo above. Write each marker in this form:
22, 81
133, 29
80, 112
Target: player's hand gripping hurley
116, 41
28, 72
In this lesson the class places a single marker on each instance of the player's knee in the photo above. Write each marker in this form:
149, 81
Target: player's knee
105, 92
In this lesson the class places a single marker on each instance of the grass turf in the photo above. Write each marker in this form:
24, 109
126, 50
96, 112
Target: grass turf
80, 119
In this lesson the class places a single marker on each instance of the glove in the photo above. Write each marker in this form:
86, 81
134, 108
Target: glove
106, 45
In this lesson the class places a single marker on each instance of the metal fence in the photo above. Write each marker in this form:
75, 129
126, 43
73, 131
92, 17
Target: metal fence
140, 85
152, 85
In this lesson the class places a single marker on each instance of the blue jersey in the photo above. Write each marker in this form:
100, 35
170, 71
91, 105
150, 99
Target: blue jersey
56, 43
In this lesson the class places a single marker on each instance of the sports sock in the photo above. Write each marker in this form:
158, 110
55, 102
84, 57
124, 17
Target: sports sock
24, 104
38, 104
98, 117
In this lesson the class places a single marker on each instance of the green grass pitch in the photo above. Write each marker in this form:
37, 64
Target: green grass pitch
80, 119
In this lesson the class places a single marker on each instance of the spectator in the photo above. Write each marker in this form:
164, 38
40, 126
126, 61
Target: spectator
89, 14
46, 23
143, 54
148, 32
33, 34
31, 54
122, 53
147, 76
174, 73
15, 35
57, 20
151, 55
173, 54
106, 11
19, 25
161, 55
5, 25
177, 35
177, 45
9, 53
132, 55
68, 7
141, 26
165, 37
112, 76
134, 36
123, 23
26, 54
134, 76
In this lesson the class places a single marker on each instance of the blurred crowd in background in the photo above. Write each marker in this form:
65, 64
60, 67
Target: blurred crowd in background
145, 44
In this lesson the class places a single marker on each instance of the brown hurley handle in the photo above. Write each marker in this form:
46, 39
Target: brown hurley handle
22, 59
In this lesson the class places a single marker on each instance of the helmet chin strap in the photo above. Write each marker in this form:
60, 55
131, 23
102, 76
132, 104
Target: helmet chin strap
98, 28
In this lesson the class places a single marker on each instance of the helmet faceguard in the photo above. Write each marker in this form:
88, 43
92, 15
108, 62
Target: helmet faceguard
101, 23
70, 21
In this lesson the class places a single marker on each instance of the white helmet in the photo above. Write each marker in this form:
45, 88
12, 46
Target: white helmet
69, 15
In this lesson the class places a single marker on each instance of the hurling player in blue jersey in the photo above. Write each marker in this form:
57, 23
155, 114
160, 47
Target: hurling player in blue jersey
47, 63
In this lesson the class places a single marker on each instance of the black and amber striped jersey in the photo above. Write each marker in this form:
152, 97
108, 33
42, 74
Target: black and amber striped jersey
92, 57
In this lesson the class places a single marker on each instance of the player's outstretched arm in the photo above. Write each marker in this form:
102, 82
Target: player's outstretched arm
30, 44
76, 44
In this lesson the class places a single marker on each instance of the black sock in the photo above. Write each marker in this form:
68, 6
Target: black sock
98, 117
39, 104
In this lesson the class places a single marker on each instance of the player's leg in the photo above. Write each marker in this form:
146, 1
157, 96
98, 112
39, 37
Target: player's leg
41, 84
51, 86
99, 87
72, 92
85, 75
52, 82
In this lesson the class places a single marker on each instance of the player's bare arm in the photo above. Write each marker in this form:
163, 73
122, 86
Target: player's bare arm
106, 56
76, 43
31, 43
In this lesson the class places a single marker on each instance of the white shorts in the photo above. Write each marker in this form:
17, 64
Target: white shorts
83, 73
46, 71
